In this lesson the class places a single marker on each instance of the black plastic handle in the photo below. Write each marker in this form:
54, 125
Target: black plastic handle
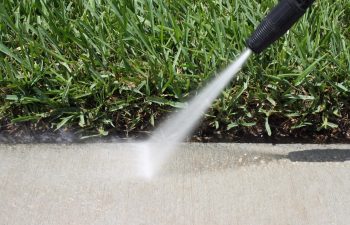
277, 23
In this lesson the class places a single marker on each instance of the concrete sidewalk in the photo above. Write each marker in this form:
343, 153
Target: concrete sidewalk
202, 184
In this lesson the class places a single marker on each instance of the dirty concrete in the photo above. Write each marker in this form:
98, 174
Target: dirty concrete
202, 184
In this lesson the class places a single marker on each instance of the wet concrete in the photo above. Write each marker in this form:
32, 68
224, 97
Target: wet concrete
201, 184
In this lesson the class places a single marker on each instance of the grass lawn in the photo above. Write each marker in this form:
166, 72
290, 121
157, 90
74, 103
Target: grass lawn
101, 66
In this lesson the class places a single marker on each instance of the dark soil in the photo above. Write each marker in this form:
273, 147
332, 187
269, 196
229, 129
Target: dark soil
35, 133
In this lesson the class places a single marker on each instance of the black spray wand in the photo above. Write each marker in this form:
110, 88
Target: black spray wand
277, 23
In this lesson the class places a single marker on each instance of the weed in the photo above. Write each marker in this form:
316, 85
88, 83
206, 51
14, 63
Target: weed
121, 65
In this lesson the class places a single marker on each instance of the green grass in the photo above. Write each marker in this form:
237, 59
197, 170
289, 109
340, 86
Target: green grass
120, 65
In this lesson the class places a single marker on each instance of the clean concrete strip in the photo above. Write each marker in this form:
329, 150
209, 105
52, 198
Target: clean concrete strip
202, 184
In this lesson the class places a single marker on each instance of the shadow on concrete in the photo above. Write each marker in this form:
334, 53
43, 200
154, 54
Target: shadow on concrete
314, 155
194, 162
320, 155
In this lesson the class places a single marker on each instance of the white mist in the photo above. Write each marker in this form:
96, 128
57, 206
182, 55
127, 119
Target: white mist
156, 151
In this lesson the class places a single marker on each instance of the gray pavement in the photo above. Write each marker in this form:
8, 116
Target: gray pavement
202, 184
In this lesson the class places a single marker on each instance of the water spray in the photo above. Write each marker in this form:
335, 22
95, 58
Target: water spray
178, 126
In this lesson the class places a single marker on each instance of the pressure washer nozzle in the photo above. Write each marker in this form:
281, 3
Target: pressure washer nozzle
277, 23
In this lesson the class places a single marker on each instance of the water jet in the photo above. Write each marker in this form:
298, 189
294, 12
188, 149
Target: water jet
169, 134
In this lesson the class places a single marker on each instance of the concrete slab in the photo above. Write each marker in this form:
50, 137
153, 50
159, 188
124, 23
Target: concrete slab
202, 184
